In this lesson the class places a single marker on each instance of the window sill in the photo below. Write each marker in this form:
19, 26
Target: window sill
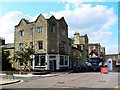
64, 65
40, 66
20, 66
40, 50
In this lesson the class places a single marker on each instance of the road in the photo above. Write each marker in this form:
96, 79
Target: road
72, 80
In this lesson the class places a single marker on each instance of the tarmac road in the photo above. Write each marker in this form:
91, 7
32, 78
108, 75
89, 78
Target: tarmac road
73, 80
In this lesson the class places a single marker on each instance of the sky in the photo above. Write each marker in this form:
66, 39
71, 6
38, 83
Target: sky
98, 19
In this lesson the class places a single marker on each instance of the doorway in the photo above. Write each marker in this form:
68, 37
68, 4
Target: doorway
52, 65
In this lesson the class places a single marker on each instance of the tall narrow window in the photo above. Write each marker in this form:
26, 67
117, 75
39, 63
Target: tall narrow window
40, 29
63, 32
42, 60
61, 60
63, 46
40, 45
37, 61
20, 62
52, 28
21, 46
31, 44
66, 60
21, 33
31, 31
74, 53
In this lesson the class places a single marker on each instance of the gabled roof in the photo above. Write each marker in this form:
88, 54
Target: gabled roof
63, 19
23, 20
52, 17
39, 17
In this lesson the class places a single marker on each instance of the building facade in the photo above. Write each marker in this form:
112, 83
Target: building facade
2, 41
49, 39
97, 47
82, 41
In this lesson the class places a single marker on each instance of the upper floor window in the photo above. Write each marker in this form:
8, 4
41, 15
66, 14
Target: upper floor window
21, 33
31, 31
52, 28
21, 46
91, 48
63, 46
40, 45
31, 44
69, 48
80, 54
74, 53
63, 32
40, 29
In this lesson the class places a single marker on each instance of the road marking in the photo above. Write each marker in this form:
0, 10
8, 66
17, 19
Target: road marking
117, 87
13, 83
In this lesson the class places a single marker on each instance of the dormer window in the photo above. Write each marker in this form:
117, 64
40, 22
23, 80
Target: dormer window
52, 28
21, 33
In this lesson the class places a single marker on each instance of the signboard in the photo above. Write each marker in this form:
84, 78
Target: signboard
104, 69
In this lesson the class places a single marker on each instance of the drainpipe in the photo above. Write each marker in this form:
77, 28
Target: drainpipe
33, 48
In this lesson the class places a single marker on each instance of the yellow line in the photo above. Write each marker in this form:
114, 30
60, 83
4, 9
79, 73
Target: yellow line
13, 83
117, 87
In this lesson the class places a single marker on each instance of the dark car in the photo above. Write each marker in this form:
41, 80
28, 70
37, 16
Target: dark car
79, 68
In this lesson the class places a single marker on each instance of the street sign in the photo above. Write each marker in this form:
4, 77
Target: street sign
104, 69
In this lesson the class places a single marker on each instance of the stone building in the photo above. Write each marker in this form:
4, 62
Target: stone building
97, 47
112, 56
2, 41
49, 39
10, 47
82, 42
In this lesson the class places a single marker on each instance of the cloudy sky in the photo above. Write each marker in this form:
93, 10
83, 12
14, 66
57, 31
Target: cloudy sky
99, 20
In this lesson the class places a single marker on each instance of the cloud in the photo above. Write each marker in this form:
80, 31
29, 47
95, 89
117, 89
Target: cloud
7, 23
111, 49
95, 21
9, 20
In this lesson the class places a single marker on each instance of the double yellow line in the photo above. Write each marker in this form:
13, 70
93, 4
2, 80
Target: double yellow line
117, 87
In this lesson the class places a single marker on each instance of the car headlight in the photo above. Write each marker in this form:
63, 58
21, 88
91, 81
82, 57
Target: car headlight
100, 64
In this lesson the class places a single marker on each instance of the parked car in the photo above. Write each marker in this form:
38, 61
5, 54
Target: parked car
79, 68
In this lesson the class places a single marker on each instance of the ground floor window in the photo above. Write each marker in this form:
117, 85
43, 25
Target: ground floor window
39, 60
20, 62
63, 60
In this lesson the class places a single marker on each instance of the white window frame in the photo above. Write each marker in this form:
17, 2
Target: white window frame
64, 61
38, 45
40, 61
21, 33
40, 29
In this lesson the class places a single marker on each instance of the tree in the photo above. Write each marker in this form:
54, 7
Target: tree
24, 55
6, 65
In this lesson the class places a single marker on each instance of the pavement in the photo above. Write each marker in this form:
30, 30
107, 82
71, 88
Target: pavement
4, 80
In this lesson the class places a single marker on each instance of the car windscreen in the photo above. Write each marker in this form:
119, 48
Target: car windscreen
95, 60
